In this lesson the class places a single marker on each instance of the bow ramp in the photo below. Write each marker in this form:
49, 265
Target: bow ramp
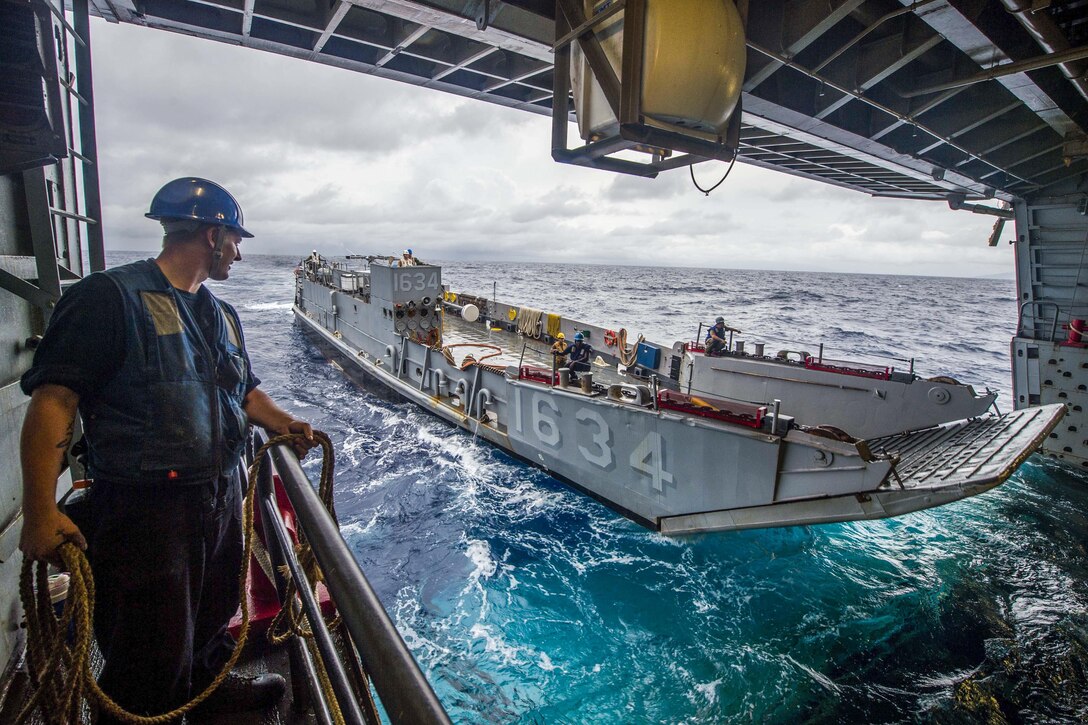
931, 467
966, 457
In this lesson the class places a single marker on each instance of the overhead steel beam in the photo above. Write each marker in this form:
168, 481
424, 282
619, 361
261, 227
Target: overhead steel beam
415, 35
1008, 69
975, 123
763, 114
466, 62
1050, 38
806, 38
950, 22
801, 121
931, 105
888, 57
1036, 128
330, 27
247, 18
465, 27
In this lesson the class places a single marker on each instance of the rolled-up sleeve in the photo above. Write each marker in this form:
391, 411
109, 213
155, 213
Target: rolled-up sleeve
84, 344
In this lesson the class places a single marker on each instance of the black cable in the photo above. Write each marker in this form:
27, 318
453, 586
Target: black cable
691, 169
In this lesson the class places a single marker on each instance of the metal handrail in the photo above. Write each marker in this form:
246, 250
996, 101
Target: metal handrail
275, 532
1041, 304
405, 693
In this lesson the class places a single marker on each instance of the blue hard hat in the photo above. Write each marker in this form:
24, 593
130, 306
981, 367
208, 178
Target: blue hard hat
199, 200
409, 251
579, 336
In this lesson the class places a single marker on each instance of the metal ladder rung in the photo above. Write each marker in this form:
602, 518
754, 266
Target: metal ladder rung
59, 15
71, 215
73, 91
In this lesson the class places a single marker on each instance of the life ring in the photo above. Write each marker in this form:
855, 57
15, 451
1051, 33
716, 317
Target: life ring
610, 338
512, 314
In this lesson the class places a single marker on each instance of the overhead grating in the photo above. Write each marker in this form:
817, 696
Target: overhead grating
937, 99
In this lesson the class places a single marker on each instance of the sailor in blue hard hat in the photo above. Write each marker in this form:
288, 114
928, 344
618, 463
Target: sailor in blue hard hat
156, 366
192, 205
717, 340
407, 259
579, 354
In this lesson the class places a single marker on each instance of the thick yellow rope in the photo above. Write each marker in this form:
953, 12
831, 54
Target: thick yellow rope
291, 617
61, 678
627, 357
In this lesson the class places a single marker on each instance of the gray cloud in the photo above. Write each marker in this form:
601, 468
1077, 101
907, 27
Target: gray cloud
323, 157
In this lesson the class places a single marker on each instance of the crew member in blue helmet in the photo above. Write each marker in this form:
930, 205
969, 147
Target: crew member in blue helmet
579, 354
156, 367
717, 340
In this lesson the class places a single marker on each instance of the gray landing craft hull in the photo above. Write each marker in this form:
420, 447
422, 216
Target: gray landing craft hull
864, 407
671, 471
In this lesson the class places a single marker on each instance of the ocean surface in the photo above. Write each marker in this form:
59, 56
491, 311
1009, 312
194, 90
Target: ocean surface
527, 602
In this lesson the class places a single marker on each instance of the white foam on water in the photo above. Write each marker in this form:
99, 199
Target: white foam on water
407, 609
494, 643
709, 690
545, 663
484, 567
458, 452
360, 527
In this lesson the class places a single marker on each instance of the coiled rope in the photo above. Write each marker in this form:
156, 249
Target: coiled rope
61, 677
469, 360
529, 322
627, 357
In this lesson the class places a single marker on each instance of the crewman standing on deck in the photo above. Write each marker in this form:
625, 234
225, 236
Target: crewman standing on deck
559, 351
157, 368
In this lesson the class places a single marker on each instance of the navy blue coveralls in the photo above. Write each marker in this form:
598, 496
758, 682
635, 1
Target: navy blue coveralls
580, 353
162, 375
714, 347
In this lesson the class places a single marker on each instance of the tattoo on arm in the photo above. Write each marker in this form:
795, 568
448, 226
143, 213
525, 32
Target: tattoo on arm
67, 441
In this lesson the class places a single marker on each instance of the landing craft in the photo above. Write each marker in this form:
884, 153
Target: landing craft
674, 453
982, 106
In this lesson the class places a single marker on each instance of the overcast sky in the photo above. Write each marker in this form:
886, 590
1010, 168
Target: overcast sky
328, 159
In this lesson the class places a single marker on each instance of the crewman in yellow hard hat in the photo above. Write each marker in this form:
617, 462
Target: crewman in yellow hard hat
559, 350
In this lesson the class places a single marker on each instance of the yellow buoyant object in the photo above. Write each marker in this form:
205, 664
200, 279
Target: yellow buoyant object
693, 67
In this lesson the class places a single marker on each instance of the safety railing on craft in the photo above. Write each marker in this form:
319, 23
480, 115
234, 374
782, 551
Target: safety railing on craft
404, 692
802, 355
1067, 323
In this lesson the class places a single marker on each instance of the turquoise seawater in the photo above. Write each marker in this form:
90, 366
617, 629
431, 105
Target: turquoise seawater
526, 602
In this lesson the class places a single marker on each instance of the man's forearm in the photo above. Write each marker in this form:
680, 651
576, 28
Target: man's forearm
47, 434
263, 411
